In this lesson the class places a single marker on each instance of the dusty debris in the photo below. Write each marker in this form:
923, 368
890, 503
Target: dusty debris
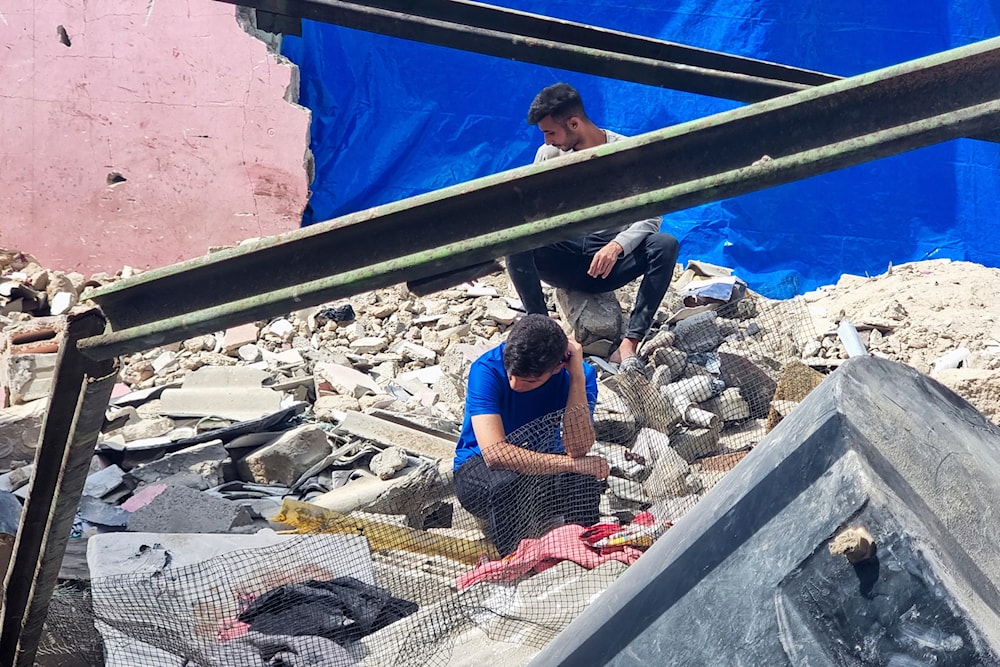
354, 407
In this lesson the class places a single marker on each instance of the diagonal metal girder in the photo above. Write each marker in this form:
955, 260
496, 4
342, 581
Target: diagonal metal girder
532, 38
938, 98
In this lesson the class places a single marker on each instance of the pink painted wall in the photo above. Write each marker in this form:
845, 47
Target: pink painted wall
173, 95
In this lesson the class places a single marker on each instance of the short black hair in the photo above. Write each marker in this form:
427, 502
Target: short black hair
559, 100
536, 344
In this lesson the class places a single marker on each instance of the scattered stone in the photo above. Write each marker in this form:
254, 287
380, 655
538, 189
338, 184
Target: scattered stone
228, 391
343, 380
20, 429
698, 333
369, 345
284, 461
693, 443
388, 462
591, 317
198, 467
236, 337
104, 481
178, 509
95, 511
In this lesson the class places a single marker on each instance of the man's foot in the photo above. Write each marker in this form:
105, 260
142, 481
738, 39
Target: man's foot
633, 364
627, 349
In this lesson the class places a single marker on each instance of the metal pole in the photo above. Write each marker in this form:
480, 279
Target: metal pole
75, 414
934, 99
532, 38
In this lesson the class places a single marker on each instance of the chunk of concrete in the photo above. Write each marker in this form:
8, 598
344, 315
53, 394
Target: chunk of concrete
17, 478
284, 460
20, 428
590, 317
95, 511
387, 433
27, 377
369, 345
729, 405
178, 509
236, 337
198, 467
498, 311
698, 333
230, 392
756, 387
104, 481
693, 443
344, 380
388, 462
668, 468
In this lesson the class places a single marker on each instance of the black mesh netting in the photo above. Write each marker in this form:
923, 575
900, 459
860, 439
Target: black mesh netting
423, 579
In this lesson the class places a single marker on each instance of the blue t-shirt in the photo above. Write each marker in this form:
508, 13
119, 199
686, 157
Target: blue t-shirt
489, 393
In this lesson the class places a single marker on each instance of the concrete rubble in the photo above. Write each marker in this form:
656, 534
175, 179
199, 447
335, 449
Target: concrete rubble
354, 407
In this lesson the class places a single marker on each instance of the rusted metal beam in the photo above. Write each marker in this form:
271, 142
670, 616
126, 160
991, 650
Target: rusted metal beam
73, 419
532, 38
915, 104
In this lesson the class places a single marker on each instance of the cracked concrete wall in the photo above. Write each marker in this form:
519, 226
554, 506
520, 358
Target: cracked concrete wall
142, 132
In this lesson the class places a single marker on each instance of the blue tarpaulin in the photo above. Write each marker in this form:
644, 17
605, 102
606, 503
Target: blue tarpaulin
394, 118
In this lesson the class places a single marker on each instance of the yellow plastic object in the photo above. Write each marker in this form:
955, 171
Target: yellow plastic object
308, 518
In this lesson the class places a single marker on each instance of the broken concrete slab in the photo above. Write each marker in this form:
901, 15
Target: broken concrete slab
877, 445
104, 481
756, 387
388, 433
20, 428
198, 467
98, 512
388, 462
178, 509
284, 460
591, 317
231, 392
27, 377
17, 478
344, 380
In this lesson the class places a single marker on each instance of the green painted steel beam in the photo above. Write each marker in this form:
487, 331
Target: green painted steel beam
532, 38
890, 111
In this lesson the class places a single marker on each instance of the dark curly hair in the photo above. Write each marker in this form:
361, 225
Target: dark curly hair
536, 344
559, 100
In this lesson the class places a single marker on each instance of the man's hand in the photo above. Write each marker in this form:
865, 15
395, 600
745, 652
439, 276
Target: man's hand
594, 466
605, 260
573, 362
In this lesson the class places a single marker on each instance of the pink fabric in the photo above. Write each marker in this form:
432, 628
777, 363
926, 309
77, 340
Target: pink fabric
539, 554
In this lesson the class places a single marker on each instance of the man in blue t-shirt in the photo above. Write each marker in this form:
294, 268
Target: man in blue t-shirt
522, 462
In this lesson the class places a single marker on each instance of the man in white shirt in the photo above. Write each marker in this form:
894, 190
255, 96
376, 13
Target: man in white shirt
601, 261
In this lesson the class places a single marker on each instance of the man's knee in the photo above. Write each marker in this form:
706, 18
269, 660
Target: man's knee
522, 261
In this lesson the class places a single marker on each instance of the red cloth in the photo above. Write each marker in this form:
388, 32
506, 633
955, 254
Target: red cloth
539, 554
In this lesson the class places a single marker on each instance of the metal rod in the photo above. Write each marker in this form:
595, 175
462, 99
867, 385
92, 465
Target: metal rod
874, 115
536, 26
532, 38
74, 417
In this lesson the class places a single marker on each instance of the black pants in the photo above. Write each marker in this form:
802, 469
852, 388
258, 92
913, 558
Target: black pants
565, 265
517, 506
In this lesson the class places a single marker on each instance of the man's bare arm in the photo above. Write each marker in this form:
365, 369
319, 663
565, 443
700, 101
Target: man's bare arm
500, 454
578, 427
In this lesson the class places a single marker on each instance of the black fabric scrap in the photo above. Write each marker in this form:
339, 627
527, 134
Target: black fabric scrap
342, 609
